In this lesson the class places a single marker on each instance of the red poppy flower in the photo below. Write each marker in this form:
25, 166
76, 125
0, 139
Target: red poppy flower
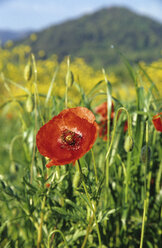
103, 129
68, 136
48, 185
157, 121
9, 116
102, 111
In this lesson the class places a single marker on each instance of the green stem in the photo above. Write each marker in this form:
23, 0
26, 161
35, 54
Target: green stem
158, 179
66, 82
115, 148
34, 141
11, 146
109, 108
56, 231
41, 223
88, 197
34, 67
88, 231
143, 223
35, 110
114, 129
147, 161
146, 196
94, 166
66, 93
111, 143
127, 176
29, 215
107, 179
159, 173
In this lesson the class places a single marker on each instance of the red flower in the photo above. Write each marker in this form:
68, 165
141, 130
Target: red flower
157, 121
125, 126
102, 111
9, 116
103, 129
48, 185
68, 136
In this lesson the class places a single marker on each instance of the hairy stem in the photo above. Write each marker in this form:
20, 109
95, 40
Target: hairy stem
90, 203
41, 223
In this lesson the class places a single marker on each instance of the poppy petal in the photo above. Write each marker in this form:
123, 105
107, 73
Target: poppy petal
68, 136
102, 110
157, 121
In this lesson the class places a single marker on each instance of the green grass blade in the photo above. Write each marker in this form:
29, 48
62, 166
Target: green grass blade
51, 87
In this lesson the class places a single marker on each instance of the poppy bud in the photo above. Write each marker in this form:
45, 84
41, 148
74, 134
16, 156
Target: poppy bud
145, 154
29, 104
28, 71
128, 144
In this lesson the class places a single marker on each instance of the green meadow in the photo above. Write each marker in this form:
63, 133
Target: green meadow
109, 197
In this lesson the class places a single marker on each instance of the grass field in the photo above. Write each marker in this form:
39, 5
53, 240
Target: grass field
110, 196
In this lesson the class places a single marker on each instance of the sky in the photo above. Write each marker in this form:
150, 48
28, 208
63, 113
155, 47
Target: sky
19, 15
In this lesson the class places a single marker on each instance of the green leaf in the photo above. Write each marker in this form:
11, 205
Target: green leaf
3, 184
129, 67
69, 78
29, 184
104, 215
84, 97
153, 86
17, 85
149, 244
9, 191
60, 211
8, 245
75, 206
51, 86
95, 87
84, 197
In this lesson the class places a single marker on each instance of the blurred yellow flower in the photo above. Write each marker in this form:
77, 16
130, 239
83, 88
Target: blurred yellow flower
33, 37
14, 60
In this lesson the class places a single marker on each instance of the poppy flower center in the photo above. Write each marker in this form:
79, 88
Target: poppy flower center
70, 140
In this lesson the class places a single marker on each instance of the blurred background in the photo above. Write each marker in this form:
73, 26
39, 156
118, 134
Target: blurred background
96, 34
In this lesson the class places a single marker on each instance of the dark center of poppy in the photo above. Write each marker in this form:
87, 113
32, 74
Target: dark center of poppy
70, 140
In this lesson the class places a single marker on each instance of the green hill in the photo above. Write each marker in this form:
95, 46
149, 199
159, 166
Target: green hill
92, 37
